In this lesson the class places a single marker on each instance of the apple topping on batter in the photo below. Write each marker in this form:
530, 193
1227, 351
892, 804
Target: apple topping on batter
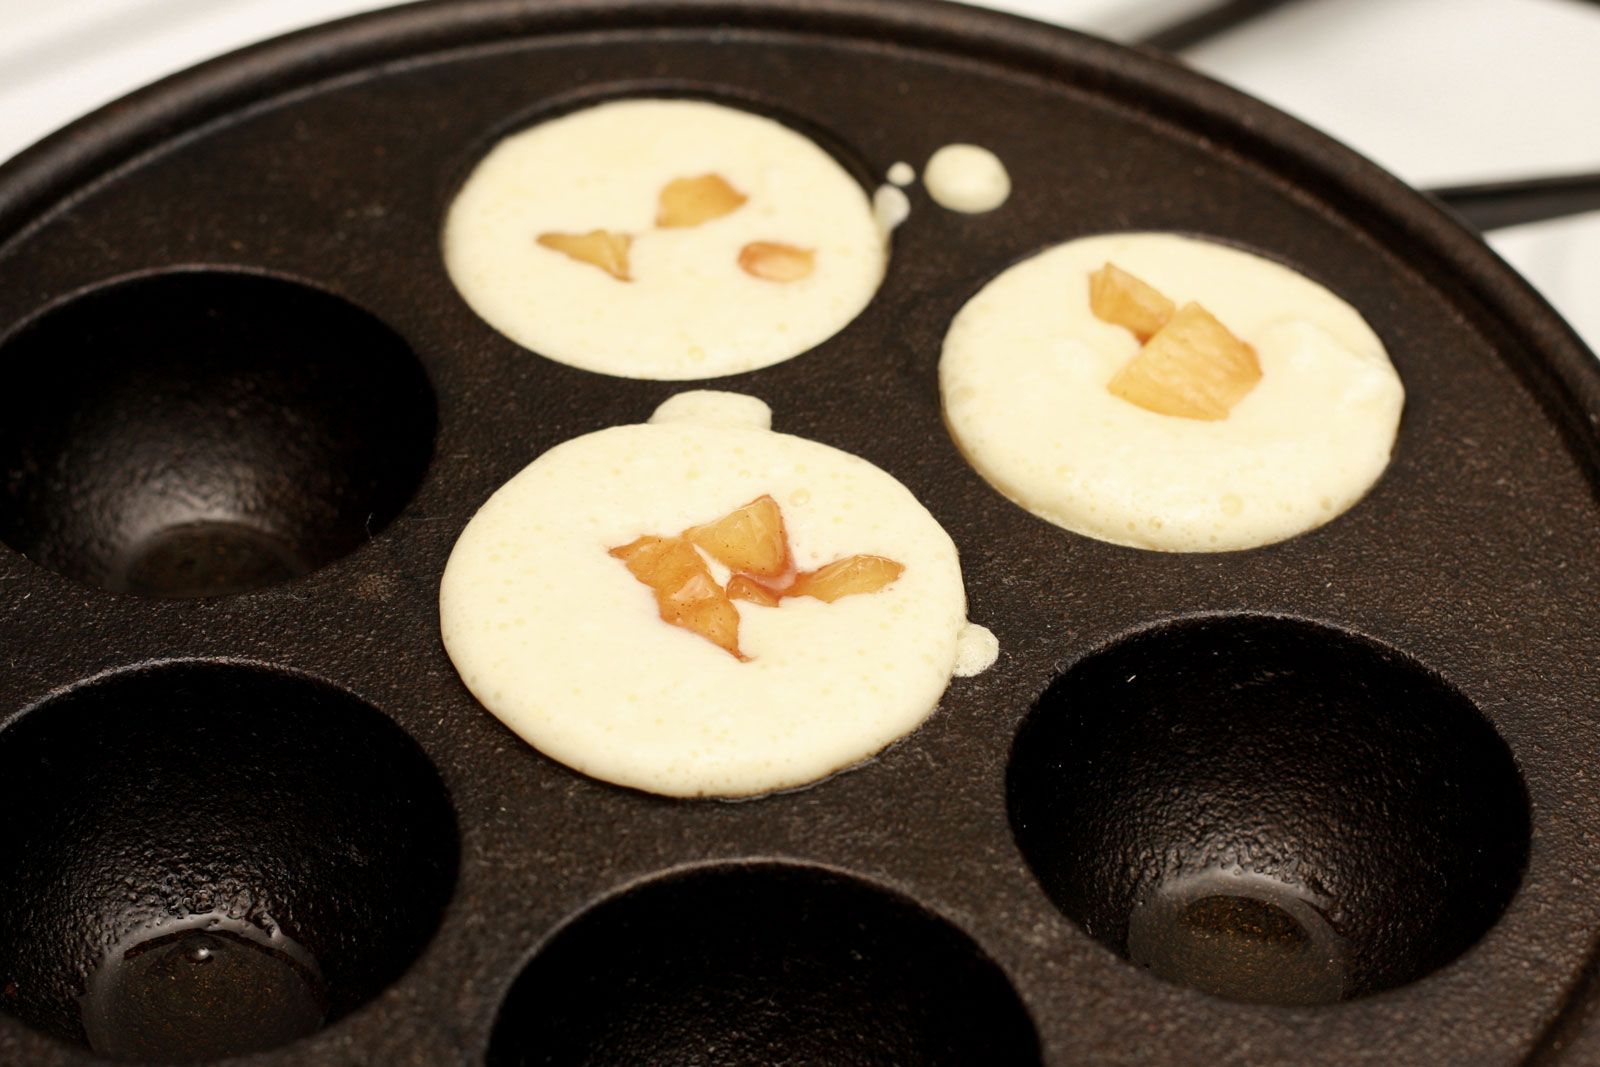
684, 203
685, 591
749, 541
602, 248
752, 543
744, 587
846, 577
1117, 297
774, 262
1190, 364
691, 201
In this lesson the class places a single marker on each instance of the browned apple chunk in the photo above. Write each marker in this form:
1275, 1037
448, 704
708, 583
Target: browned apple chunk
750, 540
601, 248
752, 543
846, 577
774, 262
686, 593
1192, 367
744, 587
691, 201
1117, 297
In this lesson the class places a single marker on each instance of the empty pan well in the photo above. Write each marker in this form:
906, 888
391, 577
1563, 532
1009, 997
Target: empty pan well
200, 860
1268, 810
195, 433
761, 965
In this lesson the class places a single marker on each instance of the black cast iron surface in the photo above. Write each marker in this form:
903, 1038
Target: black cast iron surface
244, 416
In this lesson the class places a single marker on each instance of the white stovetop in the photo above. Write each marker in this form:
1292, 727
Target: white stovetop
1441, 92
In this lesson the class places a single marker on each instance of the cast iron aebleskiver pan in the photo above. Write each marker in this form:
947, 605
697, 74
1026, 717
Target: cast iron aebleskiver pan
234, 365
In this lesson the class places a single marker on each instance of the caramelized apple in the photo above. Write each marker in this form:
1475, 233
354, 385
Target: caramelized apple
846, 577
1192, 367
750, 540
601, 248
691, 201
1117, 297
775, 262
686, 593
744, 587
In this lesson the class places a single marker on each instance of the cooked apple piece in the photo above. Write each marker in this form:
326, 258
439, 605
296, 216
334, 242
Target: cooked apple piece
744, 587
846, 577
1117, 297
603, 249
691, 201
775, 262
686, 594
1193, 367
750, 540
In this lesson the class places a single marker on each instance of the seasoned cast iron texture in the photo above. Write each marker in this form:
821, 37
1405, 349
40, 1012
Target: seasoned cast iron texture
245, 416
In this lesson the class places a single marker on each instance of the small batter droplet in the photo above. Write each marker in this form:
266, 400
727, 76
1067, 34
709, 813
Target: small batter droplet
967, 178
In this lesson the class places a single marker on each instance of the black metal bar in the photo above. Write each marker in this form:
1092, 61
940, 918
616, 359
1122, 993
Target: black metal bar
1208, 24
1496, 205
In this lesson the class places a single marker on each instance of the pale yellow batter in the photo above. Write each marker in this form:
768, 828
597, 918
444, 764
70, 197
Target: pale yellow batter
559, 640
683, 306
1024, 372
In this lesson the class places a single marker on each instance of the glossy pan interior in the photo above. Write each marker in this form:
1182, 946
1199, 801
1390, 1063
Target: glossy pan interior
245, 415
